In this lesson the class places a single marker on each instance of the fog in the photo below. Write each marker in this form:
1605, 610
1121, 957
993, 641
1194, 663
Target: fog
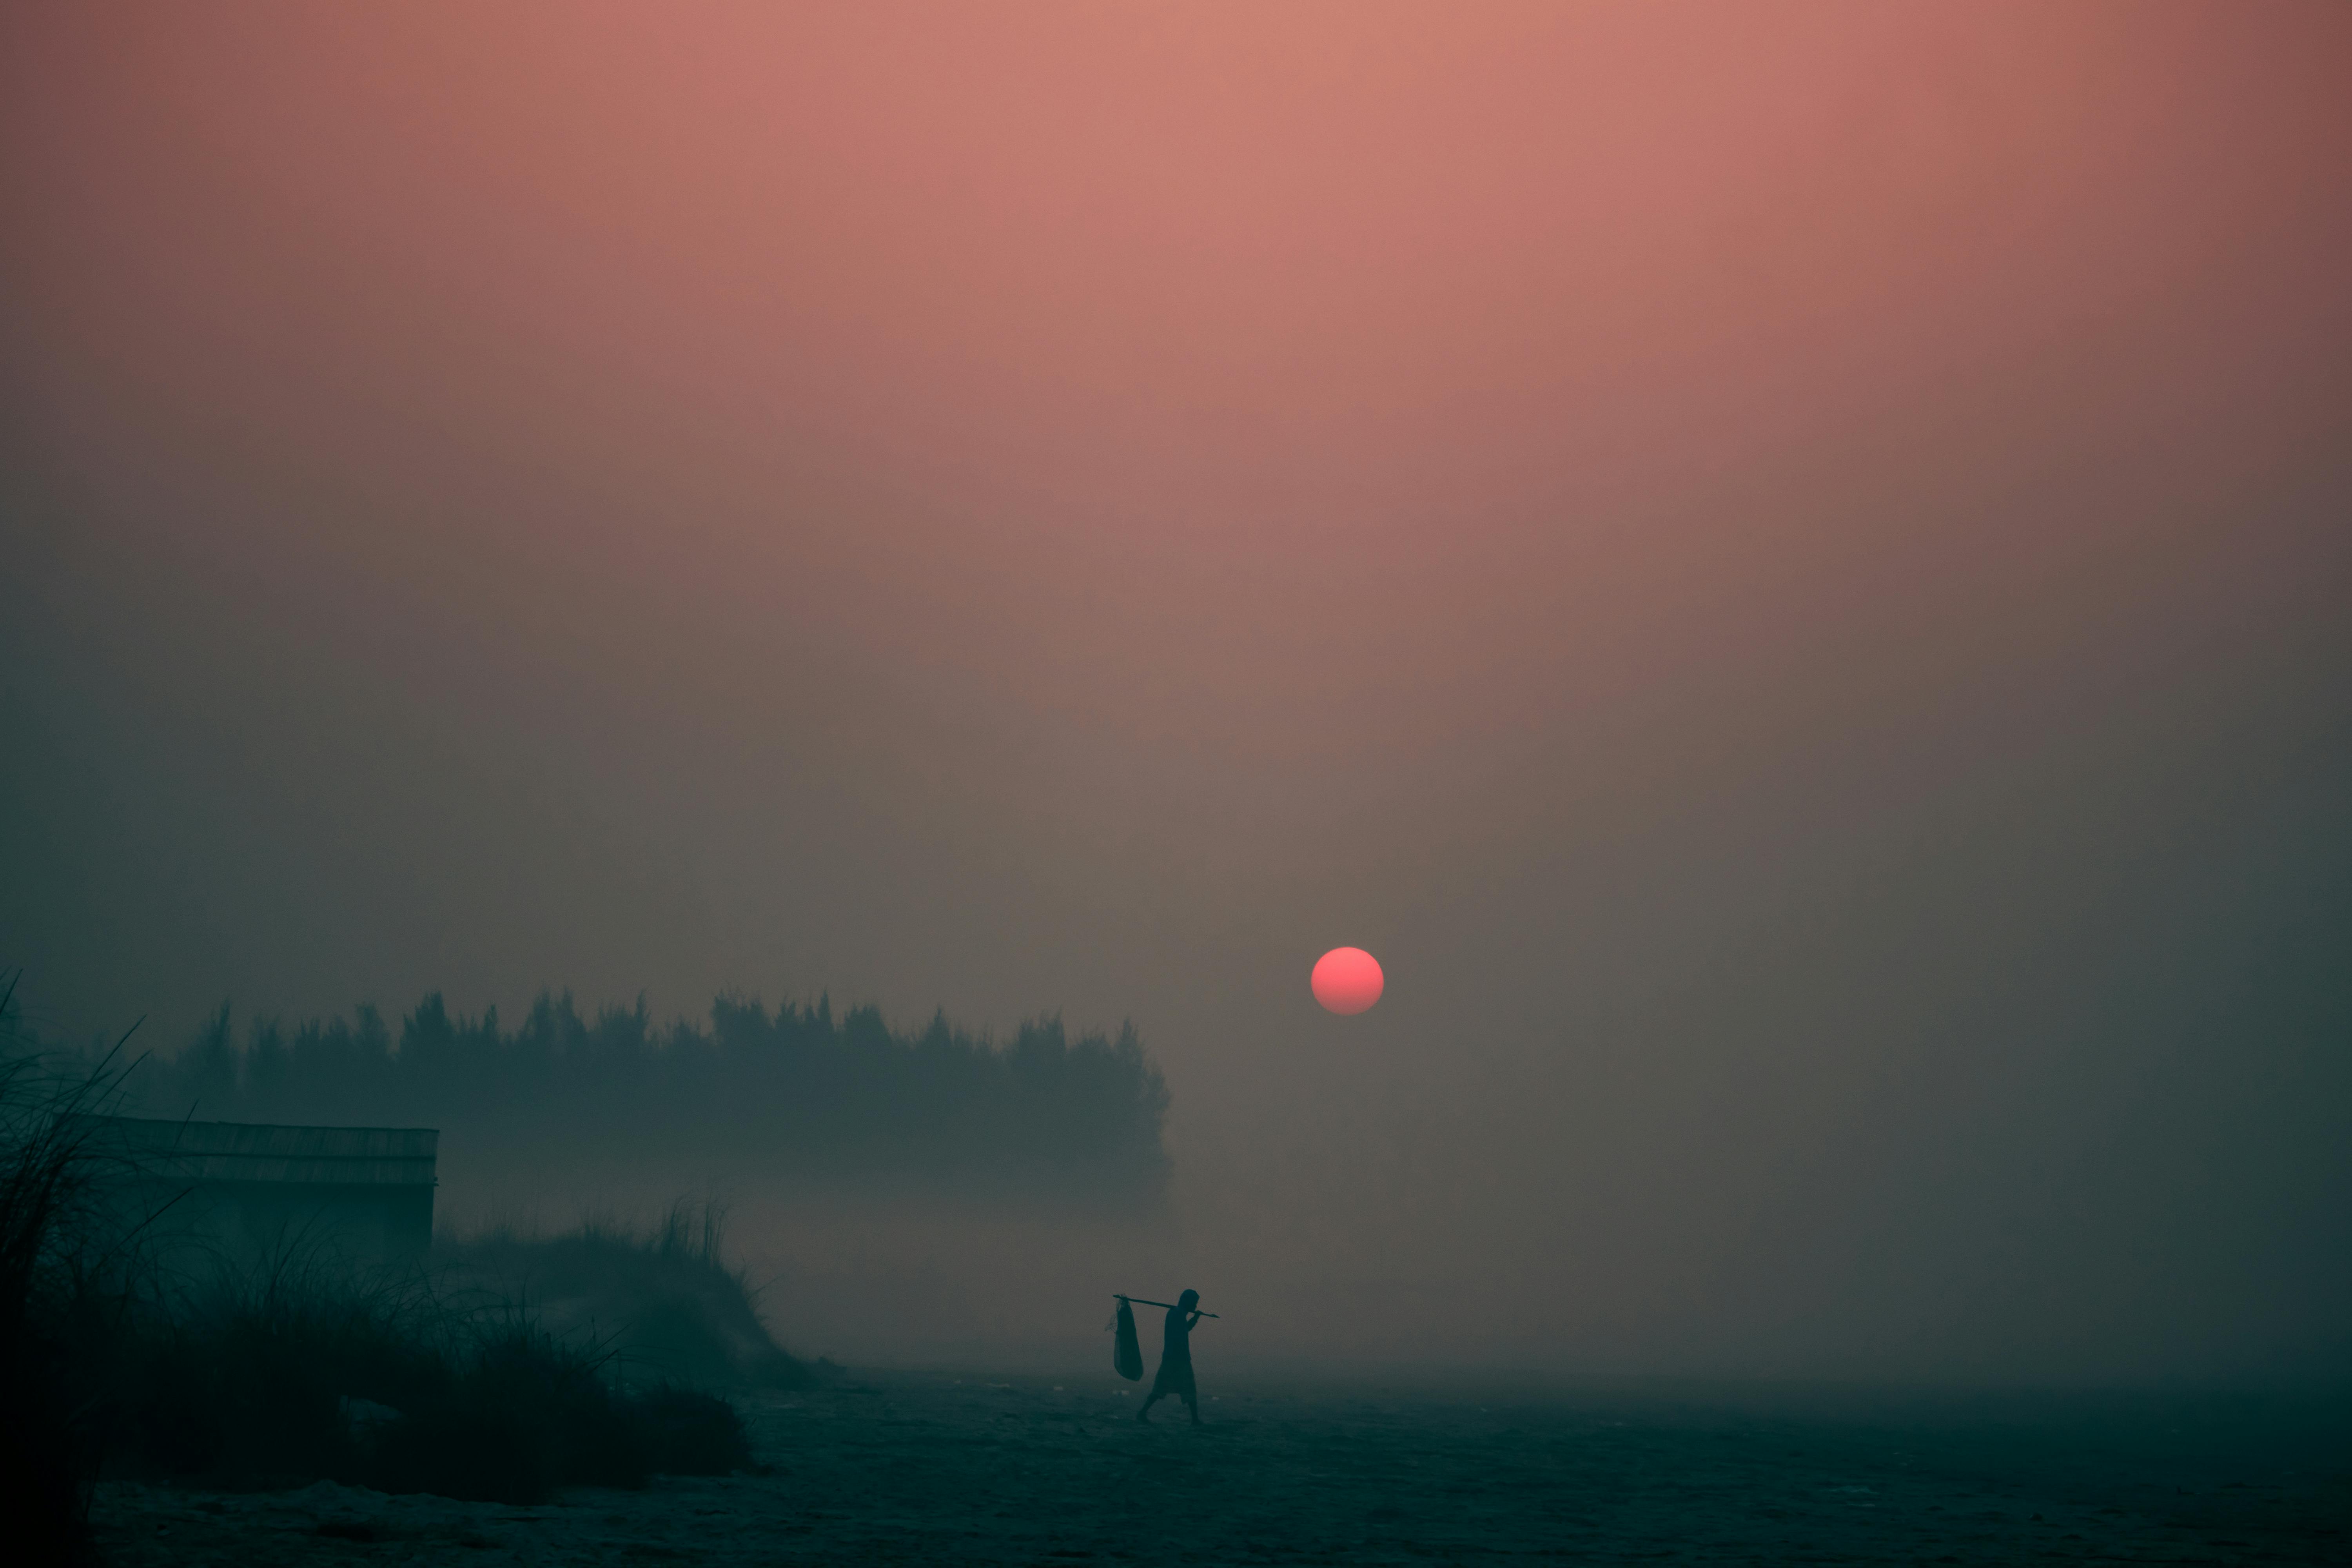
1785, 571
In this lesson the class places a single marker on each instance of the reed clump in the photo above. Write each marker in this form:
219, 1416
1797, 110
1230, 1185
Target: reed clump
385, 1382
666, 1301
283, 1373
300, 1366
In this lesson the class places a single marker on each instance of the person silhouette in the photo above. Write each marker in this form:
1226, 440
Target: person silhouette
1175, 1374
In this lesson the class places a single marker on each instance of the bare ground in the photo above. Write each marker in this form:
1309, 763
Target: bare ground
922, 1468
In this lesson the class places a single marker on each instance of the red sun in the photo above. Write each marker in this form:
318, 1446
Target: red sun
1347, 980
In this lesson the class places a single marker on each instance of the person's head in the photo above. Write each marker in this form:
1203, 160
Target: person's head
1184, 1303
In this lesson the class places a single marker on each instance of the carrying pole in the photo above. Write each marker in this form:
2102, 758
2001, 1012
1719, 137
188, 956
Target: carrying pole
1141, 1303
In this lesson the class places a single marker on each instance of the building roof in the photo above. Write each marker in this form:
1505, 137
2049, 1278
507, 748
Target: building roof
254, 1151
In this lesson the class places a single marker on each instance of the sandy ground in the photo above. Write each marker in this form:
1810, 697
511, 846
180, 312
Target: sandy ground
923, 1468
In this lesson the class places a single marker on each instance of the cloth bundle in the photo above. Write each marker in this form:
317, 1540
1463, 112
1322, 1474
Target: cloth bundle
1127, 1354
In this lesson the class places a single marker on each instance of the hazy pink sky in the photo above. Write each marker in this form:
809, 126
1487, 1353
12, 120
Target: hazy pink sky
1781, 566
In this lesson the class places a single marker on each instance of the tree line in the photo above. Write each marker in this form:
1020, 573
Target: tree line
795, 1090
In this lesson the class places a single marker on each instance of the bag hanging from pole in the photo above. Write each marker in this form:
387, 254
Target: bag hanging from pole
1127, 1354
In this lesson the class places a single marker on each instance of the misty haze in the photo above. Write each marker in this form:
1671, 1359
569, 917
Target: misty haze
689, 694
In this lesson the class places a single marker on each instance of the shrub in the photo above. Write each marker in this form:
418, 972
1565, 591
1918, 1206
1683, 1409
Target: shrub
252, 1380
244, 1385
669, 1307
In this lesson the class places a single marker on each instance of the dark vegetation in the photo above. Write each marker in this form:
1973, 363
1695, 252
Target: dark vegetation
291, 1375
282, 1369
796, 1092
667, 1306
48, 1452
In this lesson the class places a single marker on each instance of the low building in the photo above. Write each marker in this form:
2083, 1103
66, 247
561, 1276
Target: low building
251, 1188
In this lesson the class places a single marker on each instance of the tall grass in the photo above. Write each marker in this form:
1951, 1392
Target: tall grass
48, 1450
385, 1382
299, 1366
668, 1303
792, 1091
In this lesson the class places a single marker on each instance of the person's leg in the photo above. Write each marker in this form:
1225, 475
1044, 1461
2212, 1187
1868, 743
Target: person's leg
1145, 1414
1192, 1404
